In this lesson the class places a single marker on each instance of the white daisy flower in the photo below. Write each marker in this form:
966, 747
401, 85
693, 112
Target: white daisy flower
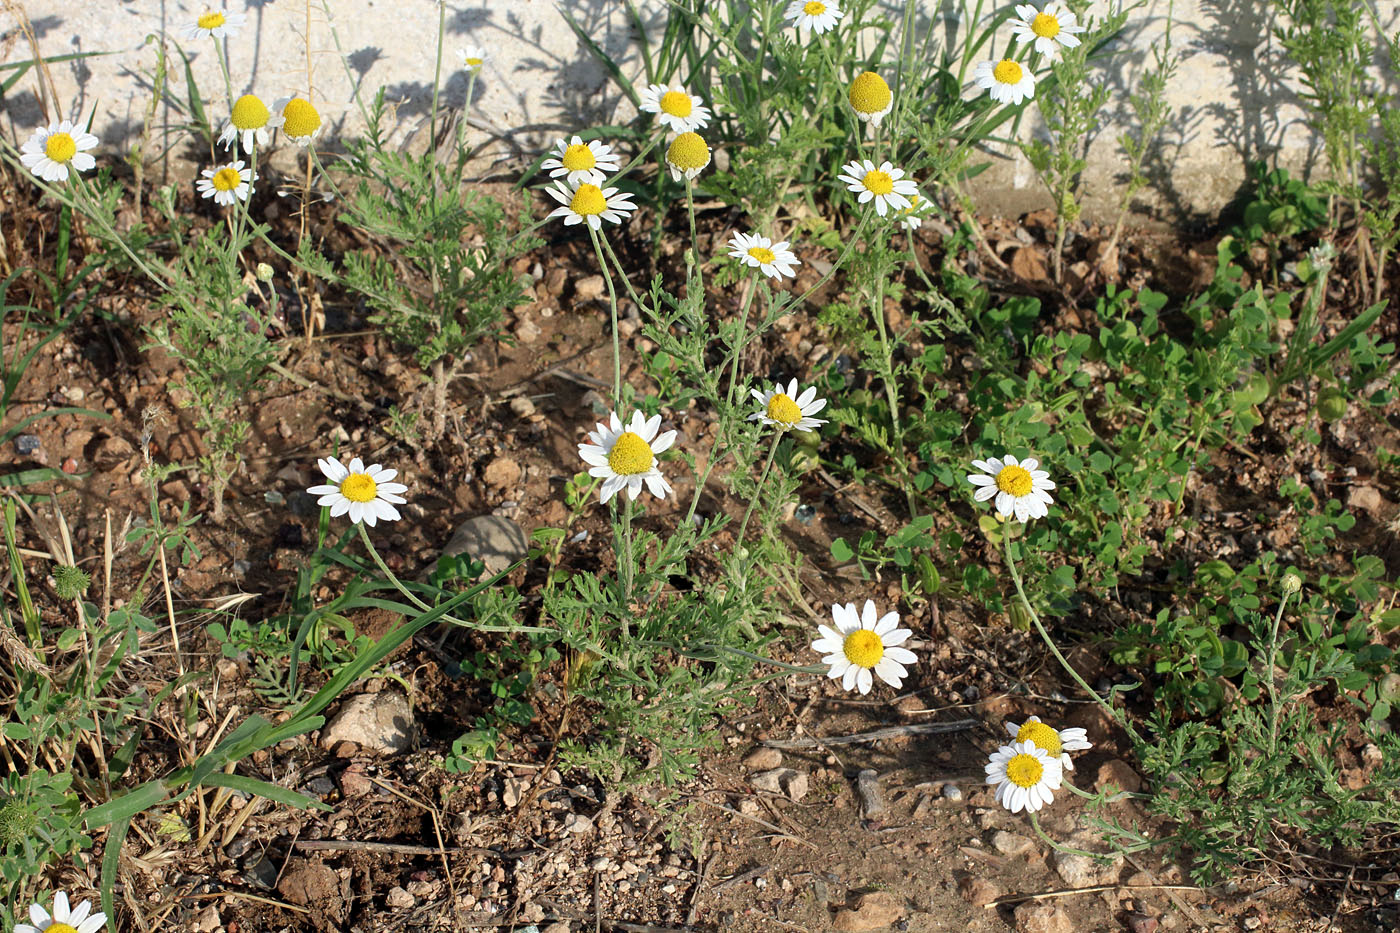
1056, 742
472, 57
870, 97
1008, 82
813, 14
626, 456
300, 121
687, 155
227, 183
577, 161
364, 492
786, 410
50, 151
1025, 776
1020, 489
861, 643
1049, 29
80, 919
675, 107
774, 260
911, 217
588, 202
215, 24
251, 119
885, 185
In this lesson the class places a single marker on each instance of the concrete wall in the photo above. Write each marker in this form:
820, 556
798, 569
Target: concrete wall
1234, 102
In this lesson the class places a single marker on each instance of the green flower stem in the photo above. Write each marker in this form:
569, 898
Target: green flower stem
437, 84
745, 303
228, 87
413, 598
622, 274
612, 305
891, 388
1049, 643
625, 562
690, 212
1059, 846
767, 465
1269, 682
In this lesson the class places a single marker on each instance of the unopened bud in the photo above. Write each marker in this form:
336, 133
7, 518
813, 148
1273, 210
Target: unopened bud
1291, 584
264, 272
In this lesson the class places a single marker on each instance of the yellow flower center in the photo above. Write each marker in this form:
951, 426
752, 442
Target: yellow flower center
1007, 72
210, 21
676, 104
60, 147
1045, 26
300, 118
473, 62
763, 254
863, 648
1042, 735
588, 200
1015, 480
60, 928
869, 93
578, 158
688, 151
359, 487
783, 409
813, 8
1024, 770
630, 455
878, 182
228, 179
250, 113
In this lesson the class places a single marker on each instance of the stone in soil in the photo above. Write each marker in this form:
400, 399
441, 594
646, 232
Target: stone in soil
979, 892
1011, 843
873, 911
380, 723
502, 473
785, 781
495, 541
763, 758
1117, 774
1043, 918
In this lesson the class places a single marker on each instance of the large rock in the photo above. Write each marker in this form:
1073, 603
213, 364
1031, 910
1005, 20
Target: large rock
380, 723
495, 541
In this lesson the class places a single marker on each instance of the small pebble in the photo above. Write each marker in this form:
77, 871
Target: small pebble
26, 444
951, 791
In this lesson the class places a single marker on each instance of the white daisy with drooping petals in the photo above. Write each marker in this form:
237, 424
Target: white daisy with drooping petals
786, 410
1020, 487
1048, 29
215, 24
252, 120
870, 97
815, 15
861, 644
774, 260
577, 161
226, 184
625, 456
300, 120
588, 203
52, 150
1025, 776
80, 919
687, 156
675, 107
1056, 742
911, 217
886, 185
472, 57
1007, 81
365, 493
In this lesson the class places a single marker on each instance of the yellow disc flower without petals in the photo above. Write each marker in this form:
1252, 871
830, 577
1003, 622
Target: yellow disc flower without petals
301, 122
625, 456
786, 410
687, 155
226, 184
863, 646
1025, 776
870, 97
250, 119
577, 161
80, 919
365, 493
816, 15
1020, 488
215, 24
590, 204
674, 107
54, 149
1047, 29
1058, 743
775, 260
1006, 81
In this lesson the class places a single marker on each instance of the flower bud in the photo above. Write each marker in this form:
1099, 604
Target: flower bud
264, 272
1291, 584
